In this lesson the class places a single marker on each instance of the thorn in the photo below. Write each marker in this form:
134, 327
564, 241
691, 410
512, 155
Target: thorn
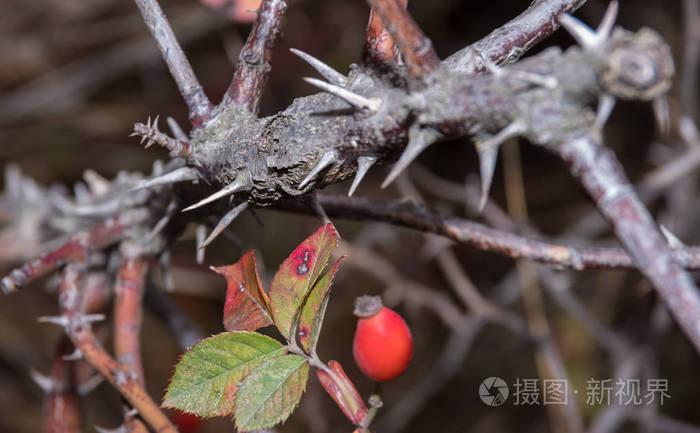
242, 181
491, 66
46, 383
92, 318
75, 356
98, 185
363, 165
418, 140
688, 131
176, 130
223, 223
200, 234
181, 174
90, 384
163, 221
606, 103
56, 320
608, 22
330, 74
358, 102
327, 159
661, 114
546, 81
164, 263
585, 36
673, 242
488, 154
121, 429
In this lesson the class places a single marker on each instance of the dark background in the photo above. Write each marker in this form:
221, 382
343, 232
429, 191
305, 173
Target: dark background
74, 78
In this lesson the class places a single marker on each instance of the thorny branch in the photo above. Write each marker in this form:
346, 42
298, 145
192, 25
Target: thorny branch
180, 68
77, 326
372, 116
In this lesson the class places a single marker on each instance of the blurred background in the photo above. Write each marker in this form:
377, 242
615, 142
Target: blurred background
75, 76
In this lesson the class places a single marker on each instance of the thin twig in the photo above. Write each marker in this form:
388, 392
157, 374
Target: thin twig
412, 215
510, 41
62, 404
253, 65
181, 326
600, 173
75, 249
197, 101
415, 47
78, 329
128, 294
563, 418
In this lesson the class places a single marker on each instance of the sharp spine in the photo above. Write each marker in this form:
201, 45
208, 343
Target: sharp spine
56, 320
363, 165
121, 429
200, 234
330, 74
673, 242
181, 174
358, 102
242, 181
418, 140
606, 103
661, 114
491, 66
326, 159
76, 355
488, 154
588, 39
44, 382
225, 221
90, 384
176, 130
608, 22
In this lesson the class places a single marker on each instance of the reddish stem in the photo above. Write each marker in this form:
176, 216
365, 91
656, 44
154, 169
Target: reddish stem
415, 47
253, 65
62, 411
379, 46
75, 249
128, 293
121, 378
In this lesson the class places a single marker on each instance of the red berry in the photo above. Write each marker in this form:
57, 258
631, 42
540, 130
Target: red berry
186, 422
382, 346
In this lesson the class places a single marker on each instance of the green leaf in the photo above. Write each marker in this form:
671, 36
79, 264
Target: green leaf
314, 310
271, 392
207, 376
246, 307
297, 274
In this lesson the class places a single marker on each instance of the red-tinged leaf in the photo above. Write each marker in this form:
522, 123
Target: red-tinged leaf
246, 307
343, 392
297, 274
314, 310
